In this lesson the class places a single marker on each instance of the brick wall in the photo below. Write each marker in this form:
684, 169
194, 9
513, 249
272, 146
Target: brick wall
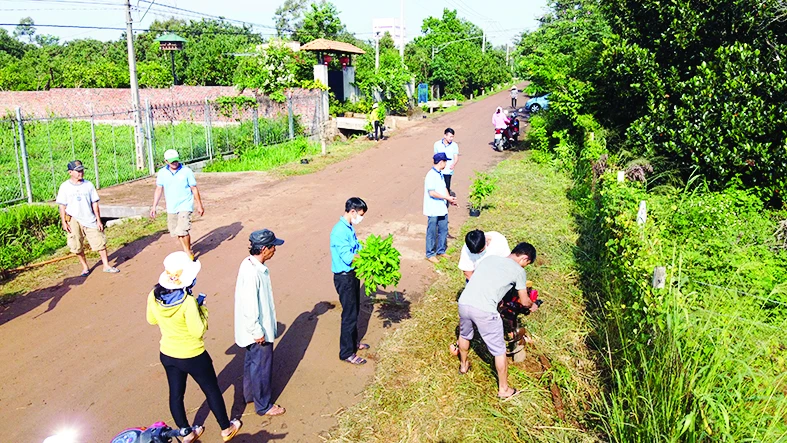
178, 103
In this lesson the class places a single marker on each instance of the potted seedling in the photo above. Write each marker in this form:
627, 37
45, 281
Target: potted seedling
377, 264
483, 186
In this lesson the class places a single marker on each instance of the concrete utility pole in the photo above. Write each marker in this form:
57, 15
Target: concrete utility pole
139, 138
376, 51
507, 45
483, 45
401, 31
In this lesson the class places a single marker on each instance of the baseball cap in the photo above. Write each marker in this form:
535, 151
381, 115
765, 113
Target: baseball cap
75, 165
171, 155
264, 237
440, 156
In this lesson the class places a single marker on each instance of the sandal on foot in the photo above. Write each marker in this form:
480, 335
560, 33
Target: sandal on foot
84, 274
509, 397
274, 411
112, 270
196, 433
235, 424
460, 369
362, 346
355, 360
454, 349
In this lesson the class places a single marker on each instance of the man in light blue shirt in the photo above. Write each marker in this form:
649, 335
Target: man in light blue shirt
176, 181
451, 150
344, 246
435, 197
255, 321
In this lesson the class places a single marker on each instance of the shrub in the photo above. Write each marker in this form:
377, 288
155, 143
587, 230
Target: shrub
377, 264
483, 186
28, 232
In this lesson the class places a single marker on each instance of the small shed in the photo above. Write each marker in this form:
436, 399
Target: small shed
341, 82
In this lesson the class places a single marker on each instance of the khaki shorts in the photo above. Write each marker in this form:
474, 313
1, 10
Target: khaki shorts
76, 238
179, 224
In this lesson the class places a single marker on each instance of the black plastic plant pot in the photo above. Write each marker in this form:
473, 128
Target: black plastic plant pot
304, 161
475, 212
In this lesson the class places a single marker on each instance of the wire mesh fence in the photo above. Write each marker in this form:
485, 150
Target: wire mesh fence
105, 142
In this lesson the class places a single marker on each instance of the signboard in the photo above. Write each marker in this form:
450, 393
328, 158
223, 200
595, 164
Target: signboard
171, 46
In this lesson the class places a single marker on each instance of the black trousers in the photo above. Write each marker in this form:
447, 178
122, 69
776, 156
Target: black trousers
513, 102
378, 130
447, 179
200, 368
349, 289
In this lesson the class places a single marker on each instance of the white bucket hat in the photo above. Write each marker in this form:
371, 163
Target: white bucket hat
179, 271
513, 87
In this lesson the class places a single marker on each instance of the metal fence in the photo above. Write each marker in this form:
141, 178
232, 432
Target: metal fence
34, 151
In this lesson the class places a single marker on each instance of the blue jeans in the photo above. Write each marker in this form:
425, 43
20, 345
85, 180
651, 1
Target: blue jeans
436, 235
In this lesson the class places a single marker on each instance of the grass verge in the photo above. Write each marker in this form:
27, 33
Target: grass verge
118, 236
417, 394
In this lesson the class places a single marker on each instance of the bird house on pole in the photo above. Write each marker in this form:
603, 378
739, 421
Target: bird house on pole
171, 43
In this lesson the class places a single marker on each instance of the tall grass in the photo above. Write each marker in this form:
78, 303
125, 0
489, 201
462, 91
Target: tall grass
699, 360
263, 158
28, 232
417, 394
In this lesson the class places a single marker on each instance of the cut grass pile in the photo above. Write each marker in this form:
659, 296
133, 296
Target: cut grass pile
417, 394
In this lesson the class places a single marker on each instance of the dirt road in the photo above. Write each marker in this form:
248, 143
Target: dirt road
81, 355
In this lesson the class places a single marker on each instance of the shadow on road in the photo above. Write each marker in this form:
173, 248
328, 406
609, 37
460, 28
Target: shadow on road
293, 344
215, 238
53, 294
394, 308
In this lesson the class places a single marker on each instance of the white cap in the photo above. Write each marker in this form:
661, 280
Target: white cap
171, 155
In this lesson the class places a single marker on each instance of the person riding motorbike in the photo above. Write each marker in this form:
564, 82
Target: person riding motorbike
500, 120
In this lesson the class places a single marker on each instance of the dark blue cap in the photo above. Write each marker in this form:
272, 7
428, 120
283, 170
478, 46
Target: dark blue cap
439, 157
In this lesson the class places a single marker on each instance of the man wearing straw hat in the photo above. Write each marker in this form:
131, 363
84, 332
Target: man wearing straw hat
176, 181
81, 217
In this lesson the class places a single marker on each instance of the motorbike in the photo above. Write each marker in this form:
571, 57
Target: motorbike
158, 432
507, 137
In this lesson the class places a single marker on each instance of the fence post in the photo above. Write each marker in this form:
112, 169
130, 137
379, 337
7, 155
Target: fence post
23, 147
208, 135
16, 157
95, 150
51, 158
289, 116
256, 123
149, 135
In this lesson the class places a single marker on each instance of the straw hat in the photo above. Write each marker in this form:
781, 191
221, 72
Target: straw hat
179, 271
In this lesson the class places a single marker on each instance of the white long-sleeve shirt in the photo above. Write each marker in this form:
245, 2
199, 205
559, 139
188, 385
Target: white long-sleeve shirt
255, 313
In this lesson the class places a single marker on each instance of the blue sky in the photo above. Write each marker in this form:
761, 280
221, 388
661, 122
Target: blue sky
501, 26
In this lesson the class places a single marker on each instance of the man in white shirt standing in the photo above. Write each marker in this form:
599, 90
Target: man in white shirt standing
436, 200
479, 245
81, 217
255, 322
447, 146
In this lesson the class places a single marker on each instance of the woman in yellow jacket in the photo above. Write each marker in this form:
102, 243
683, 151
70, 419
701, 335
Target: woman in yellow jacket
183, 321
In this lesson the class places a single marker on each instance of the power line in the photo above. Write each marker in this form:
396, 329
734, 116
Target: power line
216, 17
112, 28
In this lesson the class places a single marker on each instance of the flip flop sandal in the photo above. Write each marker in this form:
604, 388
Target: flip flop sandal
112, 270
516, 392
236, 424
84, 274
460, 369
355, 360
196, 431
362, 346
280, 411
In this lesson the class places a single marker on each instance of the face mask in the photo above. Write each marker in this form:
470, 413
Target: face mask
357, 219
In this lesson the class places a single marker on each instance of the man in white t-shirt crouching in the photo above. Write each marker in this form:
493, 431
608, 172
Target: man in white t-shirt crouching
81, 218
479, 245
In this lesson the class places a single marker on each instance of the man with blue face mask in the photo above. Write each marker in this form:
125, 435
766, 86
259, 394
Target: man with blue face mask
344, 247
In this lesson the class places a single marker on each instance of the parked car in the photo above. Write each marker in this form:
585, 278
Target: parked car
536, 104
